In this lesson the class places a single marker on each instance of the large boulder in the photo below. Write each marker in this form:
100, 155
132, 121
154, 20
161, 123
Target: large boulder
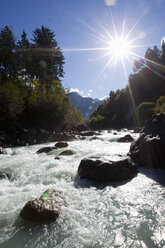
126, 138
66, 153
45, 149
148, 149
44, 209
61, 145
105, 170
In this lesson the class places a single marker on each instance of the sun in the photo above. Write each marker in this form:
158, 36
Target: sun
119, 48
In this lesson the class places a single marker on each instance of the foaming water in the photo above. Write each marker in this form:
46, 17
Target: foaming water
130, 215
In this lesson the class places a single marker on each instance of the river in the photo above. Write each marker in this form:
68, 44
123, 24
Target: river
131, 215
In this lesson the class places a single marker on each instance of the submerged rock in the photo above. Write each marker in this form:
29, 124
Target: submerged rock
126, 138
45, 149
148, 149
66, 153
106, 171
61, 145
44, 209
5, 175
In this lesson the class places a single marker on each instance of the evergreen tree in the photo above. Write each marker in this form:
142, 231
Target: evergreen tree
24, 56
48, 59
8, 61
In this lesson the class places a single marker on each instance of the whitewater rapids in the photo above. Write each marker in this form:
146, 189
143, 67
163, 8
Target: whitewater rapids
96, 216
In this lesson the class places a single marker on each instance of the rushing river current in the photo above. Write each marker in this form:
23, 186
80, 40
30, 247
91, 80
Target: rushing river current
128, 215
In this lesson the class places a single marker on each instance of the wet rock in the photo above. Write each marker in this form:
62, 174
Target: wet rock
106, 171
61, 145
94, 138
148, 149
4, 175
65, 137
66, 153
87, 133
44, 209
126, 138
2, 151
45, 149
57, 158
114, 133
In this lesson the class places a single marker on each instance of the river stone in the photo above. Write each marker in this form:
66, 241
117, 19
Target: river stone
44, 209
45, 149
65, 137
105, 170
61, 145
66, 153
87, 133
148, 150
4, 175
126, 138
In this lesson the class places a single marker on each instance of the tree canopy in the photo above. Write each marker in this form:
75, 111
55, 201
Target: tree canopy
31, 93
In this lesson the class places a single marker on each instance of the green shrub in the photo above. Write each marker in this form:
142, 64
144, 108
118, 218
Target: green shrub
160, 105
144, 111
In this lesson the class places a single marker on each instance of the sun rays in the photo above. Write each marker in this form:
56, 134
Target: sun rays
116, 47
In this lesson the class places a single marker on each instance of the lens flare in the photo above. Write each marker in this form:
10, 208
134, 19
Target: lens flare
119, 47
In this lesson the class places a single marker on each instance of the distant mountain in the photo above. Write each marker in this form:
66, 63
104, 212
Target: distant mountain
85, 104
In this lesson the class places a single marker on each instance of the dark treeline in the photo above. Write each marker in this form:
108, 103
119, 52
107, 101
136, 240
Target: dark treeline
140, 99
31, 93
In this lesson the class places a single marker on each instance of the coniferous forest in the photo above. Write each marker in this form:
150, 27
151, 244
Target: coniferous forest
140, 99
31, 93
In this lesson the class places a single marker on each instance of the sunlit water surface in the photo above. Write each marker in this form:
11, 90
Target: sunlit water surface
130, 215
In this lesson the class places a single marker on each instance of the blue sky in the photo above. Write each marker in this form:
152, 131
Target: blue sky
84, 24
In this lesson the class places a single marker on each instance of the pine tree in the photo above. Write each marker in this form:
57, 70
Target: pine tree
24, 56
48, 59
8, 62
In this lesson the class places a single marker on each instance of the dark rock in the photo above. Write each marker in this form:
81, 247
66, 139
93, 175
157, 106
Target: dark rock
148, 149
57, 158
137, 129
2, 151
45, 149
61, 145
44, 209
94, 138
126, 138
87, 133
114, 133
81, 128
106, 171
66, 153
4, 175
65, 137
43, 131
